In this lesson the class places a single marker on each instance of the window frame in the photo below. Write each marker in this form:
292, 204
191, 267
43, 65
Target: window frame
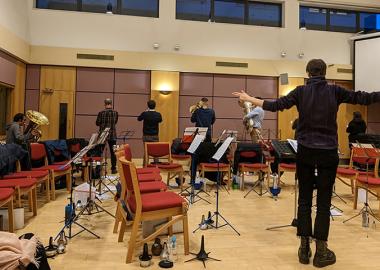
246, 13
329, 27
116, 10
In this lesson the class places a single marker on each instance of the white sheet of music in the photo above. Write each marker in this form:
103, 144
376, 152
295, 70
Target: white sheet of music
293, 144
223, 148
362, 145
195, 144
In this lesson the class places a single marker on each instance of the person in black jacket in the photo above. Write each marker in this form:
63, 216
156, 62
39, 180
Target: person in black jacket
317, 156
356, 126
151, 120
204, 117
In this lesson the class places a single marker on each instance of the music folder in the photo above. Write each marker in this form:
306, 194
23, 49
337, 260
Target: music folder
195, 143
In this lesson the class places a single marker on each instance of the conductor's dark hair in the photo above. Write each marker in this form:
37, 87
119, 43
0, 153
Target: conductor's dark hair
18, 117
316, 67
151, 104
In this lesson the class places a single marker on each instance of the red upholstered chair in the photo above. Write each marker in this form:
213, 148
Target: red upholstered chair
42, 177
38, 152
128, 156
23, 186
151, 206
161, 150
148, 183
286, 167
184, 160
252, 167
6, 199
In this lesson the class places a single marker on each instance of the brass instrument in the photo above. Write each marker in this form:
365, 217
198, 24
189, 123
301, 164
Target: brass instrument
195, 107
253, 132
36, 119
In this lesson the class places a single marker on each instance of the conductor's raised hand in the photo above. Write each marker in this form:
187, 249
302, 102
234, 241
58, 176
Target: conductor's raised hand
242, 95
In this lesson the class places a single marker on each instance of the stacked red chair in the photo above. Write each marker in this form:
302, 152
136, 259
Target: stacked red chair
6, 199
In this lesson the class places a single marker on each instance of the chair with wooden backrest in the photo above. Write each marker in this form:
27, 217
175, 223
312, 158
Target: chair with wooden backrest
6, 199
43, 177
23, 186
370, 181
350, 173
38, 152
162, 150
151, 206
150, 183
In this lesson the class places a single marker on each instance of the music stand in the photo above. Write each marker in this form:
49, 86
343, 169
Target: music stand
102, 140
366, 210
73, 217
198, 139
217, 156
286, 149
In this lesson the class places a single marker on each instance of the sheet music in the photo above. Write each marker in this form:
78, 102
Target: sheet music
195, 144
93, 139
222, 149
362, 145
191, 130
103, 136
293, 144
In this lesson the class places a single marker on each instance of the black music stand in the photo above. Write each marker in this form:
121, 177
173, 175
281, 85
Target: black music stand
284, 149
217, 156
102, 140
73, 217
366, 210
190, 191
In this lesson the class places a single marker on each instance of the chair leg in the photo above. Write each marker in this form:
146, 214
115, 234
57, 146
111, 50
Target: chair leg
170, 229
34, 200
181, 179
352, 186
117, 219
132, 239
356, 197
68, 182
122, 230
185, 234
47, 186
229, 179
168, 178
10, 217
52, 186
242, 180
19, 205
30, 200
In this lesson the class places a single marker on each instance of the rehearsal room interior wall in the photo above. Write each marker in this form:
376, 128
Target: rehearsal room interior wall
57, 43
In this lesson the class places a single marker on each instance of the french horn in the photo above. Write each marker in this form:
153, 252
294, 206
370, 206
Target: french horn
36, 119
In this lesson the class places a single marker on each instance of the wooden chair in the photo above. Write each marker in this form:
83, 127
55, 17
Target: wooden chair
162, 150
223, 168
6, 199
38, 152
42, 177
23, 186
148, 183
152, 206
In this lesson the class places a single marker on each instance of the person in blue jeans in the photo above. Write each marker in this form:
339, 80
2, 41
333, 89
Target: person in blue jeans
317, 156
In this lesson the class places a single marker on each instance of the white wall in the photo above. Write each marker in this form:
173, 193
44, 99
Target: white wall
14, 17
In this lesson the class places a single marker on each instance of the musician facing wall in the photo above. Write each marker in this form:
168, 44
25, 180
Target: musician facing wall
317, 157
257, 116
203, 116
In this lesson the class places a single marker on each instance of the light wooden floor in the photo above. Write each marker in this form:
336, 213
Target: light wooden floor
256, 248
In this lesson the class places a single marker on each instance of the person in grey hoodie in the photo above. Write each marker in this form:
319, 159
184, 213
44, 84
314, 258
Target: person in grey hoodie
14, 132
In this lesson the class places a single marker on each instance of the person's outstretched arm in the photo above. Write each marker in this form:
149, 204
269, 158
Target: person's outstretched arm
356, 97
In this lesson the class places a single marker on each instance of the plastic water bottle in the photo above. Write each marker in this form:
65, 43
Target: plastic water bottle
173, 249
68, 213
365, 219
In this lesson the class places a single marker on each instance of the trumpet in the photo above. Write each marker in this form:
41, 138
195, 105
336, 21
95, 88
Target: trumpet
36, 119
195, 107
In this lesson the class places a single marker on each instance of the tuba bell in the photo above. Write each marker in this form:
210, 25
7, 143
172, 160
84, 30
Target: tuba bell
36, 119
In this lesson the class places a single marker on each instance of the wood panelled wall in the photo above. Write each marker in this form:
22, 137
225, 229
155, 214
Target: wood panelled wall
218, 88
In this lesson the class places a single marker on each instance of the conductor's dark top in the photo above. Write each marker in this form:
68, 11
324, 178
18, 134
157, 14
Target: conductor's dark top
317, 104
108, 119
151, 120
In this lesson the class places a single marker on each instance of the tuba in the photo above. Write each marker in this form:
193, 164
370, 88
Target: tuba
253, 132
195, 107
36, 119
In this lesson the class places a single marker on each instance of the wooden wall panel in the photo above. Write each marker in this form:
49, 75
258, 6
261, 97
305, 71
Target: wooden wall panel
33, 77
224, 85
32, 99
132, 81
264, 87
196, 84
58, 78
62, 80
286, 117
95, 79
18, 92
167, 105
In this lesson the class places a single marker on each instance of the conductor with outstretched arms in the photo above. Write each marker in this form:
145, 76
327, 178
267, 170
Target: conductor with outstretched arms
317, 156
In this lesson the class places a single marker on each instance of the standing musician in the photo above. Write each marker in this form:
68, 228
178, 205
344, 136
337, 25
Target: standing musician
108, 119
203, 116
257, 115
317, 155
